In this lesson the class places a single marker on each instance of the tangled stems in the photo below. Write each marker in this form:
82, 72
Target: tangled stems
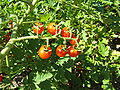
11, 42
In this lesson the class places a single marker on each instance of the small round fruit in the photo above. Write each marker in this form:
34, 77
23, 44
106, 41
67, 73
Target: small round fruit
60, 51
74, 41
72, 51
1, 78
38, 28
65, 32
44, 52
51, 29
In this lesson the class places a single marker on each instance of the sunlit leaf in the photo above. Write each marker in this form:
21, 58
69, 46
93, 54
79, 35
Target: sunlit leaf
40, 77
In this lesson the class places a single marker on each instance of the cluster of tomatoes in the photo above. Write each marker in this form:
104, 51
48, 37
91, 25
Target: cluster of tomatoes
45, 51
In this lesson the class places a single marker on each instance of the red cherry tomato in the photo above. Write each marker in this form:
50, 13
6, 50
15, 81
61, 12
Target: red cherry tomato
74, 41
60, 52
38, 28
1, 78
72, 51
51, 29
44, 52
65, 32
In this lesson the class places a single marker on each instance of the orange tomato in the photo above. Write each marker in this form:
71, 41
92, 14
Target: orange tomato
65, 32
51, 29
44, 52
60, 52
72, 51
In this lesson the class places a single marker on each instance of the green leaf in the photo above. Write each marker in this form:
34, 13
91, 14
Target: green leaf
40, 77
58, 7
103, 50
44, 18
105, 81
84, 36
67, 23
90, 51
62, 60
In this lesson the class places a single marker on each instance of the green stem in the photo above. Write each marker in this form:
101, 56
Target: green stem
36, 37
47, 42
10, 44
30, 22
7, 62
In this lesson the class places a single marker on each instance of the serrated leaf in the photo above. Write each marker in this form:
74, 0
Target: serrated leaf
40, 77
103, 50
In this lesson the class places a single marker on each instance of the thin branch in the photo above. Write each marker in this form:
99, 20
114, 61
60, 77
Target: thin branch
36, 37
10, 44
23, 38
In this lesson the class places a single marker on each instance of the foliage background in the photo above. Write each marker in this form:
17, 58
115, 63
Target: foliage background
96, 21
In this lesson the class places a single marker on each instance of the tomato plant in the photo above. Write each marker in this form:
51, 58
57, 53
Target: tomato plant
38, 28
44, 52
60, 51
91, 26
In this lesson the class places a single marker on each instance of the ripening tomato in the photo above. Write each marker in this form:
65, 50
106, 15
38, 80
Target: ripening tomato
72, 51
51, 29
44, 52
1, 78
60, 51
38, 28
65, 32
74, 41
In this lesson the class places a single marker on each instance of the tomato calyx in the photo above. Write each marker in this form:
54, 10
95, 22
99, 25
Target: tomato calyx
47, 50
38, 28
